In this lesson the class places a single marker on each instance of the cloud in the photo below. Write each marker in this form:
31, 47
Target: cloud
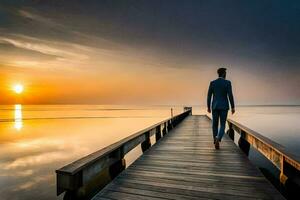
9, 50
71, 48
64, 50
39, 18
91, 52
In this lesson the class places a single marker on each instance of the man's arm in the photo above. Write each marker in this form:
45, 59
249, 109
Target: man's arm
231, 99
209, 94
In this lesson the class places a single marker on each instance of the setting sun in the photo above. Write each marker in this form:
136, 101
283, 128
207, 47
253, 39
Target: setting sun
18, 88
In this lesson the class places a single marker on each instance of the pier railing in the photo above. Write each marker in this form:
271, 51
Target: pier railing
288, 164
110, 160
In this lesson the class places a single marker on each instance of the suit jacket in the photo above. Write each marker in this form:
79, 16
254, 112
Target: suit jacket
221, 90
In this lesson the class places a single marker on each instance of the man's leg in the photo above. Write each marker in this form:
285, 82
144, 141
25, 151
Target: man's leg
223, 117
215, 122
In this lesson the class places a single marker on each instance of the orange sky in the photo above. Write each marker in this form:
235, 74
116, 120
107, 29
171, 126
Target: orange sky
130, 77
111, 87
81, 56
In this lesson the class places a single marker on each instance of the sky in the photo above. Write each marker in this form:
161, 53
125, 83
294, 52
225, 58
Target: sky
157, 52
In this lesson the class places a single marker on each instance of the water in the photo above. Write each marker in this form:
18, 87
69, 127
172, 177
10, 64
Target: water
37, 139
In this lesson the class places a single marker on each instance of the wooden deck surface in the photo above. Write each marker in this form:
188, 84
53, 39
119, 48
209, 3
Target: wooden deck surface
185, 165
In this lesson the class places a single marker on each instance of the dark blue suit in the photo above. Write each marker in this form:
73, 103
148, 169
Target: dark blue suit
221, 90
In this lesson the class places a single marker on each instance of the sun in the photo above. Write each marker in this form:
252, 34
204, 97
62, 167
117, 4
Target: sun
18, 88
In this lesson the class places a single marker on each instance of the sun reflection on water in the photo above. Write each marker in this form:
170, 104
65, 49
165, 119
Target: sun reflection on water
18, 117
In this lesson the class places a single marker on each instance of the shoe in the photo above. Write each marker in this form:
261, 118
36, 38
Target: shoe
217, 145
215, 139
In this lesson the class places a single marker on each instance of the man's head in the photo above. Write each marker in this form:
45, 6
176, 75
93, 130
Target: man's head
222, 72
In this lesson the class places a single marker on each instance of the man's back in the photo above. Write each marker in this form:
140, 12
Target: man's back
221, 90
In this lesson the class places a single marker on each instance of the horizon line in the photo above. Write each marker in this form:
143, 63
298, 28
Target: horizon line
196, 105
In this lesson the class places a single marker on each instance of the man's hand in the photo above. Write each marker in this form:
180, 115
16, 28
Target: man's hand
208, 110
233, 110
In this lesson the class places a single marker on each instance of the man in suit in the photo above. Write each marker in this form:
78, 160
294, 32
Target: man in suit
221, 90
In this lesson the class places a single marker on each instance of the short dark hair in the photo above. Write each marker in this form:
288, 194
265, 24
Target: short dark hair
222, 71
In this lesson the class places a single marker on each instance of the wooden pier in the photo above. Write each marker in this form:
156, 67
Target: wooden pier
183, 164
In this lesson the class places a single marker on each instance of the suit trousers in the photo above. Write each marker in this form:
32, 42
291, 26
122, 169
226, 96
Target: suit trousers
219, 115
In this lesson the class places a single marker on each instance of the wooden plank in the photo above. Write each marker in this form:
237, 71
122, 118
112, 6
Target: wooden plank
185, 165
125, 195
152, 193
187, 194
202, 187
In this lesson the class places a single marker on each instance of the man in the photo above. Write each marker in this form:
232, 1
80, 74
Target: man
221, 91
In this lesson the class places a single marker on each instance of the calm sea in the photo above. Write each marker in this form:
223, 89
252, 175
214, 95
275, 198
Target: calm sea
37, 139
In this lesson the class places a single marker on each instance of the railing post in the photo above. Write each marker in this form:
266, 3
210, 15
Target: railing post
73, 193
289, 179
165, 130
157, 133
169, 125
118, 166
282, 177
243, 144
176, 121
147, 143
230, 131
